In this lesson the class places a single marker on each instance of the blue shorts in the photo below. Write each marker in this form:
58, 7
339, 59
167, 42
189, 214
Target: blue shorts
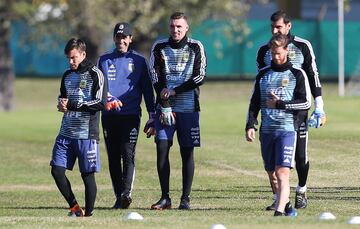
66, 150
278, 149
187, 127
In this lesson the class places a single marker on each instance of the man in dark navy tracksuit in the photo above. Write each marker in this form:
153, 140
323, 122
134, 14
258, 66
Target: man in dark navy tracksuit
128, 79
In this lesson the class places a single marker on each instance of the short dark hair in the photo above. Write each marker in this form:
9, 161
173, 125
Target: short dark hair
278, 40
75, 43
178, 15
280, 14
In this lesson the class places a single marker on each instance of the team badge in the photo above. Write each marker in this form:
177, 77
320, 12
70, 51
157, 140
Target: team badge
291, 54
82, 84
131, 67
285, 82
186, 57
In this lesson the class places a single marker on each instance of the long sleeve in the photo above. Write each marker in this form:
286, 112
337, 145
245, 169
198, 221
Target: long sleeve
254, 107
156, 69
199, 71
147, 89
99, 93
302, 94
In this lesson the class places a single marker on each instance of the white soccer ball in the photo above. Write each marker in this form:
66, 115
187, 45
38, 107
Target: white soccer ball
326, 216
134, 216
217, 226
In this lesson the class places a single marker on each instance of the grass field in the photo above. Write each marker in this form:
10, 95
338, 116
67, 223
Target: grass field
230, 186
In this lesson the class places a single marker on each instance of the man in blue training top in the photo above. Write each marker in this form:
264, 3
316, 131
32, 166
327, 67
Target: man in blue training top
178, 66
280, 92
300, 54
128, 78
82, 95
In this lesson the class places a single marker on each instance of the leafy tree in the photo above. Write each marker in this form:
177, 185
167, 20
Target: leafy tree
93, 21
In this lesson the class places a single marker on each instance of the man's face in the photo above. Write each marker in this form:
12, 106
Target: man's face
279, 55
280, 27
178, 29
75, 57
122, 42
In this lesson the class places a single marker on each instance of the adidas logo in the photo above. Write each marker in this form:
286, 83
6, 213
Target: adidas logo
134, 132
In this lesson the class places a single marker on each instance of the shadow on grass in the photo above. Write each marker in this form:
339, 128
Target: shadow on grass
243, 193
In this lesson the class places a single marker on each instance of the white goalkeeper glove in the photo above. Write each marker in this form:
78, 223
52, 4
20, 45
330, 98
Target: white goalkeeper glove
167, 117
318, 117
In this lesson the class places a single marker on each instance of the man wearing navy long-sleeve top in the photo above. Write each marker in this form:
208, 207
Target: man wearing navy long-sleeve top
128, 78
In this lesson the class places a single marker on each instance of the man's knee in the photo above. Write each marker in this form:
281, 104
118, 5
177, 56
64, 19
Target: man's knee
57, 171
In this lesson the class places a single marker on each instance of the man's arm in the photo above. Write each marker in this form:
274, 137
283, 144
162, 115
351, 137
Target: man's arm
156, 65
254, 107
310, 68
302, 95
147, 87
199, 69
260, 57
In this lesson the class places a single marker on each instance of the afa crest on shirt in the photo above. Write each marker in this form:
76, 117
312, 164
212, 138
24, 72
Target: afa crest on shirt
185, 57
82, 84
131, 67
285, 82
291, 54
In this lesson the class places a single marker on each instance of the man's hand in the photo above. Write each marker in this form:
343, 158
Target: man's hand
113, 103
250, 135
149, 128
166, 93
62, 104
271, 103
317, 118
167, 117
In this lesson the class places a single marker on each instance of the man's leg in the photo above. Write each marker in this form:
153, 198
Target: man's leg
90, 192
282, 174
63, 184
274, 187
302, 168
128, 155
163, 168
112, 137
188, 167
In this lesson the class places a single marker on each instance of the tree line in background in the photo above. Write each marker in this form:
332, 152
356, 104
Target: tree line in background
93, 21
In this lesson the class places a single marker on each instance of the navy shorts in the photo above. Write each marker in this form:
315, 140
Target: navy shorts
187, 127
66, 150
278, 149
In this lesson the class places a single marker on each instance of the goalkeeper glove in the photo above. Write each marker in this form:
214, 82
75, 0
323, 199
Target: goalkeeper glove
113, 103
167, 117
317, 118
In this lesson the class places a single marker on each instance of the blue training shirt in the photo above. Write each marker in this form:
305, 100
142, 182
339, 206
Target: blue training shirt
290, 84
128, 79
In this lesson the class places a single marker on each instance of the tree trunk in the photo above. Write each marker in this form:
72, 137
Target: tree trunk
7, 76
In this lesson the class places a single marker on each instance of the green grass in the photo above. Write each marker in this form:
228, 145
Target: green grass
230, 186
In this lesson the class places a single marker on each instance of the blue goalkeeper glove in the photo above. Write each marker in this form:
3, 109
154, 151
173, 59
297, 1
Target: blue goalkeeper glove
113, 103
317, 118
167, 117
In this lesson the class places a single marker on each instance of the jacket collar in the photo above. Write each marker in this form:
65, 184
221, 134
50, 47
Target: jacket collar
178, 45
84, 65
281, 67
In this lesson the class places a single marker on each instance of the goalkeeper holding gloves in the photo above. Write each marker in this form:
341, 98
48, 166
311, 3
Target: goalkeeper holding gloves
318, 117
